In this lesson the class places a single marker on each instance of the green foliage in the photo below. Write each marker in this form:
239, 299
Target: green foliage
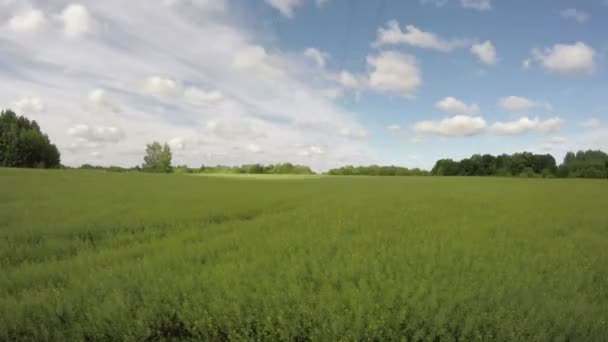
157, 158
518, 164
585, 164
22, 144
259, 169
376, 170
96, 256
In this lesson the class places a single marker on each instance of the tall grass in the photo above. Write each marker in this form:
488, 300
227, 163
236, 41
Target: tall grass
100, 256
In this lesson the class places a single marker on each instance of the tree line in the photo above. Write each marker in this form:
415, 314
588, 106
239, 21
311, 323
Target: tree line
583, 164
22, 144
376, 170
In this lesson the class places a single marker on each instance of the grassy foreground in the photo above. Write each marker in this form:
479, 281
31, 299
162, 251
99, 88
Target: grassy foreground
100, 256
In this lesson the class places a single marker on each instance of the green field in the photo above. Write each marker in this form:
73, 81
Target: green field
88, 255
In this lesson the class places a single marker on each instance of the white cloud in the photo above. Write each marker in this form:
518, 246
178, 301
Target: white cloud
198, 96
394, 72
286, 7
486, 52
99, 134
392, 35
455, 106
312, 150
30, 21
253, 58
591, 123
161, 86
333, 93
348, 80
516, 103
577, 58
459, 125
576, 14
254, 148
480, 5
76, 20
550, 125
29, 105
317, 55
275, 102
177, 144
525, 125
526, 64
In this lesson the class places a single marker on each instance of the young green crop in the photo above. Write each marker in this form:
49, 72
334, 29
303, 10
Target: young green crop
91, 255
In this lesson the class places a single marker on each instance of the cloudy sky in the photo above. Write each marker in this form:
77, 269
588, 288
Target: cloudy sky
318, 82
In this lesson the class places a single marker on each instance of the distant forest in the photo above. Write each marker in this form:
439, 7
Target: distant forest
23, 144
583, 164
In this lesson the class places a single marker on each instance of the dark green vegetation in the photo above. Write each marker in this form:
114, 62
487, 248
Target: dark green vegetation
157, 158
583, 164
259, 169
109, 257
376, 170
22, 144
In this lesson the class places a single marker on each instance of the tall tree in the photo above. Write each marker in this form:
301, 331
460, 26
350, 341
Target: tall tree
157, 158
22, 144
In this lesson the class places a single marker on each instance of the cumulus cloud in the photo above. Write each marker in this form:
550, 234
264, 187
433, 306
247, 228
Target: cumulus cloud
312, 150
100, 99
348, 80
165, 86
525, 125
578, 58
575, 14
77, 20
394, 72
459, 125
455, 106
392, 35
30, 21
177, 143
486, 52
480, 5
254, 148
317, 55
286, 7
98, 134
28, 105
198, 96
161, 86
516, 103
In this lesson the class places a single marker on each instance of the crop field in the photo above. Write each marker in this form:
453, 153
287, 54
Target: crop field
97, 256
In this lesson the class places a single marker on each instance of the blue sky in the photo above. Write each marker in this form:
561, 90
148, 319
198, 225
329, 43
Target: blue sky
323, 83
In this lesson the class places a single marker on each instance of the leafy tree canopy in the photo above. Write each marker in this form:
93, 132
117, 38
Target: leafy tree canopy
157, 158
22, 144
